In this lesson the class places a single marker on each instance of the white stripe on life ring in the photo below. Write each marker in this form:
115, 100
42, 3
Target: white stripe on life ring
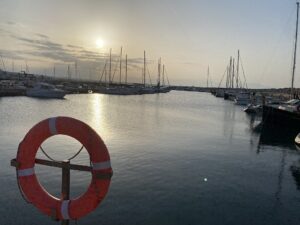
52, 125
65, 209
26, 172
101, 165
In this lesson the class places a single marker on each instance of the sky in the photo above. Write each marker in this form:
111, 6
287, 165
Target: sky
188, 35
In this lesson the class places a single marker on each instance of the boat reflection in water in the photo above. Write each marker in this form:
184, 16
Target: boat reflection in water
283, 140
283, 137
295, 170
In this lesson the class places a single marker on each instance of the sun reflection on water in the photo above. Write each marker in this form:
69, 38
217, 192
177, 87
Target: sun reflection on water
98, 119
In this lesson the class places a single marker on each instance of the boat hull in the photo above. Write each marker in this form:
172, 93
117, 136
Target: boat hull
220, 94
46, 94
242, 101
297, 140
253, 109
281, 119
12, 92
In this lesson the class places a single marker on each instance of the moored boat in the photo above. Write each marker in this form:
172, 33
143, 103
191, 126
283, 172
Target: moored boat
11, 88
163, 89
282, 117
242, 98
45, 90
118, 90
285, 116
220, 93
297, 140
253, 109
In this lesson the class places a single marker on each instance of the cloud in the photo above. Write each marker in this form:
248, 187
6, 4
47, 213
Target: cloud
74, 46
94, 56
190, 63
39, 43
10, 23
16, 55
38, 47
42, 52
136, 60
54, 55
44, 47
41, 35
5, 32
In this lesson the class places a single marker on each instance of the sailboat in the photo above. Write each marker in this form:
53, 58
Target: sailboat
164, 88
235, 89
146, 89
287, 115
161, 87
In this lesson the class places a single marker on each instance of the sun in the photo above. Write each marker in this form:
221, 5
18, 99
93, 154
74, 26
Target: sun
99, 43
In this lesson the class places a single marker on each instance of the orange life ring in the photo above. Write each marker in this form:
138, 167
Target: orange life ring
100, 161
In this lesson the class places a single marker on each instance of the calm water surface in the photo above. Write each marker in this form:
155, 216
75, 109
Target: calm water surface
178, 158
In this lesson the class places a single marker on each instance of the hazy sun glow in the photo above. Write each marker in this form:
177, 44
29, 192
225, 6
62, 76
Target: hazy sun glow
99, 43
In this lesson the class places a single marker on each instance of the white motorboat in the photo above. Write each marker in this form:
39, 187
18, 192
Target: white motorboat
45, 90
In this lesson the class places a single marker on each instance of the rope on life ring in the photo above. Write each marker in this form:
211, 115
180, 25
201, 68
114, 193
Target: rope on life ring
100, 163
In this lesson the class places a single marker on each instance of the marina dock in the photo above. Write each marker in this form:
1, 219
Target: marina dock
15, 84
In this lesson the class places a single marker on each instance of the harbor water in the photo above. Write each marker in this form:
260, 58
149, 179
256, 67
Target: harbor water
180, 158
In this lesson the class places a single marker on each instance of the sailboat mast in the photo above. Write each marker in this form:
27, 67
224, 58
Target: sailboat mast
237, 70
230, 73
295, 50
126, 69
158, 78
26, 67
144, 71
53, 71
3, 63
207, 77
109, 75
76, 71
163, 75
105, 75
120, 66
227, 75
69, 73
232, 81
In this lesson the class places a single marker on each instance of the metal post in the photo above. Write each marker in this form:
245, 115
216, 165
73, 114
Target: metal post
66, 167
65, 186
